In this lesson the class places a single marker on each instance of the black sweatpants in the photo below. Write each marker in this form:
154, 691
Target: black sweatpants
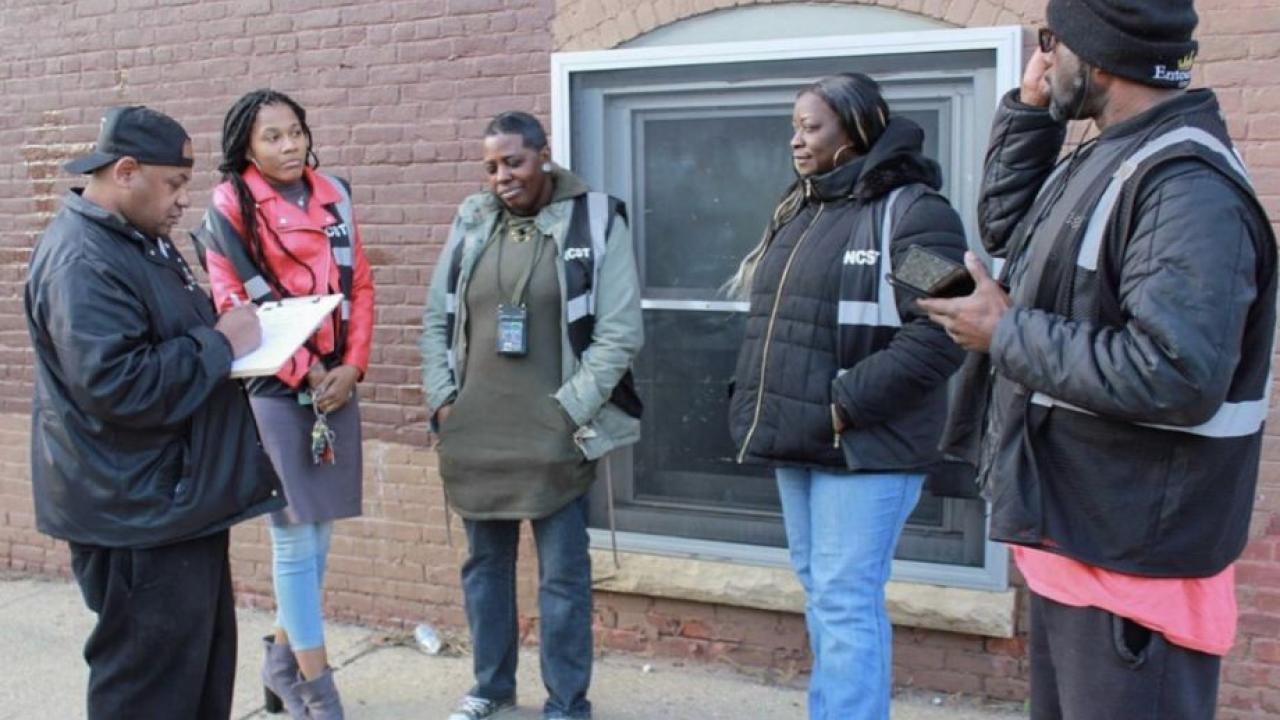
164, 646
1088, 664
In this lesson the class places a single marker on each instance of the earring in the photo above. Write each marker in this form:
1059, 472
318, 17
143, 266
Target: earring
835, 159
546, 167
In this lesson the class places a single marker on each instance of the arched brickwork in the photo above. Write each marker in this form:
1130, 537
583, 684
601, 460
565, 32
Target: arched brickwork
600, 24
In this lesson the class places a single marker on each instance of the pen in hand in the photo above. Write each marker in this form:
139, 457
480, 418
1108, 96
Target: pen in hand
241, 327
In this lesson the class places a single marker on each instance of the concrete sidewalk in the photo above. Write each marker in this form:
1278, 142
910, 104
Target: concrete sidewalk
43, 625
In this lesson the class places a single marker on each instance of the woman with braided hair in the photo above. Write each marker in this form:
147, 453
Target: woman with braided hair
278, 229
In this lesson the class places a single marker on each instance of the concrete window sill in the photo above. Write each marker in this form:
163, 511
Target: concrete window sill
959, 610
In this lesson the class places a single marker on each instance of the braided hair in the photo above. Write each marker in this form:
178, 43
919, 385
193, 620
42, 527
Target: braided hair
856, 100
237, 133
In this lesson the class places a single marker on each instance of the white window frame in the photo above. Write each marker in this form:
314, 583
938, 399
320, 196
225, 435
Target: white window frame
1007, 44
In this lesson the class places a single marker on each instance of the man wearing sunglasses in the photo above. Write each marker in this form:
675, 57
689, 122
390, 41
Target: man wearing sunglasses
1116, 396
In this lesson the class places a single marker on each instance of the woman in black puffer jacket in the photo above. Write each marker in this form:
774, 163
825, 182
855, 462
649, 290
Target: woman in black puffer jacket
841, 380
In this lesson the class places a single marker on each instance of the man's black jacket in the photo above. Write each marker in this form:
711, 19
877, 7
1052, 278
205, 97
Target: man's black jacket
138, 436
1131, 376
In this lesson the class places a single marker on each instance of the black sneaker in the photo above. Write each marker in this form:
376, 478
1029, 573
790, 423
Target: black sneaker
471, 707
557, 715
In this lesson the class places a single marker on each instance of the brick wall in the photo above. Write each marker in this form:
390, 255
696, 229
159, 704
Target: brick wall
397, 94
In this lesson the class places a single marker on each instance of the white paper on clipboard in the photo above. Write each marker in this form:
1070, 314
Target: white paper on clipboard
286, 325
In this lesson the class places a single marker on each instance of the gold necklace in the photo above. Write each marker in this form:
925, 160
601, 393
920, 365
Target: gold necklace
520, 232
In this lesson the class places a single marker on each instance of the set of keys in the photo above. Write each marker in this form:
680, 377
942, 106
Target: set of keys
322, 436
322, 441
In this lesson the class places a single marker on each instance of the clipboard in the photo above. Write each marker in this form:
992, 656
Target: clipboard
286, 325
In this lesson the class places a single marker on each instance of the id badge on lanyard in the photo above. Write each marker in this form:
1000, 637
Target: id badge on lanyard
513, 317
513, 330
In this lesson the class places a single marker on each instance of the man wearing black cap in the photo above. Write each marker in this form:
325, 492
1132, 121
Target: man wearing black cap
143, 451
1116, 399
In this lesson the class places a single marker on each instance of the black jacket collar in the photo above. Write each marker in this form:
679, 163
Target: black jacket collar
76, 202
836, 183
1192, 101
896, 159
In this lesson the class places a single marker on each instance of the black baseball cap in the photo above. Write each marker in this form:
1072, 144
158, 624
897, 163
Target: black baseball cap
146, 135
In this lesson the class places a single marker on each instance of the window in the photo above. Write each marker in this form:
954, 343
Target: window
694, 139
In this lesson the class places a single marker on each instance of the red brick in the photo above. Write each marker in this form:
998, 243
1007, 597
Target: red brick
1238, 698
1006, 688
946, 681
1248, 674
1266, 649
624, 640
696, 629
1265, 127
1259, 624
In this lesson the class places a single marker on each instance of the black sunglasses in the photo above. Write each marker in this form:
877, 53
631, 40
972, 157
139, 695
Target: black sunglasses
1048, 41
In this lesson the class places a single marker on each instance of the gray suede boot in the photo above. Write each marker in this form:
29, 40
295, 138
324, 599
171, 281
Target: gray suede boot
320, 696
279, 673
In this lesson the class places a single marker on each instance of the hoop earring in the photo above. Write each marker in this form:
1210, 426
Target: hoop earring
835, 159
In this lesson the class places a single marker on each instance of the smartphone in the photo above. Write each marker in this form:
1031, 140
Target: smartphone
925, 273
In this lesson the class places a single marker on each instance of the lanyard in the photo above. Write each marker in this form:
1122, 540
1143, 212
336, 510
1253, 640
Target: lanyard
522, 285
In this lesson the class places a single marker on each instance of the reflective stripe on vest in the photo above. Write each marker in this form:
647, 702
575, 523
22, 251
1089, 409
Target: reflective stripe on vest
344, 255
1091, 245
1233, 419
577, 308
583, 305
883, 311
453, 255
258, 289
226, 240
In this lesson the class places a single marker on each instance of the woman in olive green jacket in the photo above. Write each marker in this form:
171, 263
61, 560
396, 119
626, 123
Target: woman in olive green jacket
531, 324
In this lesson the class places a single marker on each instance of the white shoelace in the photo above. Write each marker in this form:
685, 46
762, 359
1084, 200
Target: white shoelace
472, 704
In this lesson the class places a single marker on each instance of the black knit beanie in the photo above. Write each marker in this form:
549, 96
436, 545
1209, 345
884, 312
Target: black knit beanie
1147, 41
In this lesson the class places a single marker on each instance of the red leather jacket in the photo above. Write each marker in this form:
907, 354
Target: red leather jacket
302, 232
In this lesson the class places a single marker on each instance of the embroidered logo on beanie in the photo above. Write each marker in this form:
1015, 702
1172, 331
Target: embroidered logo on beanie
1181, 75
1147, 41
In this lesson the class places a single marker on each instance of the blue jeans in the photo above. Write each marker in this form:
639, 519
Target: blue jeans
298, 556
841, 530
564, 607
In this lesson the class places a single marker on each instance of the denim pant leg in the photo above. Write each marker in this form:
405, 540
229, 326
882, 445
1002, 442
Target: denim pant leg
564, 606
855, 523
324, 538
793, 489
489, 591
298, 554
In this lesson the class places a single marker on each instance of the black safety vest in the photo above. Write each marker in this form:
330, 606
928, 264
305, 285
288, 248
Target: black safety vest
585, 245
